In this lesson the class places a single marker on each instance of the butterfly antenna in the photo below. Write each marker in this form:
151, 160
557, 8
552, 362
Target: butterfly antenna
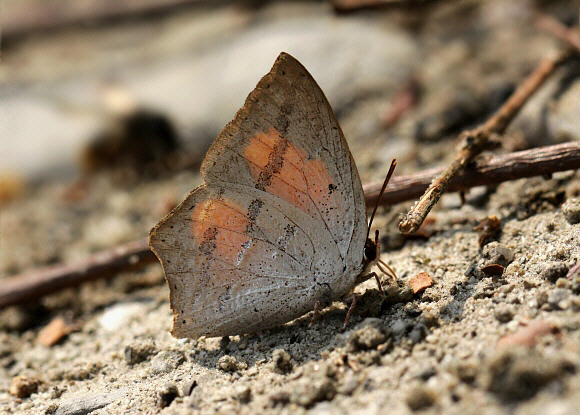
385, 183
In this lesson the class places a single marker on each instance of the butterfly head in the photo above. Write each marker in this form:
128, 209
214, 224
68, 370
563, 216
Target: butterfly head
372, 250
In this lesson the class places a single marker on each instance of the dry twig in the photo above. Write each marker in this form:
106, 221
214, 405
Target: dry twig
540, 161
571, 37
47, 280
473, 142
535, 162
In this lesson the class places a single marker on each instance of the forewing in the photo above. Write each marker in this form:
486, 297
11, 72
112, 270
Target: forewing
286, 141
238, 261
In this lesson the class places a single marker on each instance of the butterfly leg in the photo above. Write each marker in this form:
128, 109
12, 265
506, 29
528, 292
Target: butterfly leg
315, 313
350, 310
387, 270
374, 274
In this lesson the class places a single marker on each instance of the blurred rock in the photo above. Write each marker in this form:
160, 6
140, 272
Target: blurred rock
139, 351
519, 373
86, 403
563, 120
367, 335
118, 316
571, 210
166, 361
282, 362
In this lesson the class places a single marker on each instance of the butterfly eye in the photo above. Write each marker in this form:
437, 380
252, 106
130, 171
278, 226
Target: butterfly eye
370, 251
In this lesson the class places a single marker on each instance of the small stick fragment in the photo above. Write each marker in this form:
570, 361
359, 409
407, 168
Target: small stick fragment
535, 162
54, 332
44, 281
570, 37
473, 142
529, 335
573, 271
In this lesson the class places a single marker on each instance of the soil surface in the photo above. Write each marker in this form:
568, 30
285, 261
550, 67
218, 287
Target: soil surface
473, 324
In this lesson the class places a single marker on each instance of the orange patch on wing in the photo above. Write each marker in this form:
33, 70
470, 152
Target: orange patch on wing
220, 229
285, 171
259, 152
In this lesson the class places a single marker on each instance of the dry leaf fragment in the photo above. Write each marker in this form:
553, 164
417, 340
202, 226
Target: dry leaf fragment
420, 281
54, 332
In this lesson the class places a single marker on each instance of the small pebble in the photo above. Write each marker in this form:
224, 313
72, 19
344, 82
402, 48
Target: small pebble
505, 253
139, 352
309, 391
282, 361
118, 316
515, 374
492, 269
367, 335
166, 395
349, 385
166, 361
229, 363
420, 397
51, 409
79, 404
554, 270
418, 333
24, 386
243, 394
571, 210
494, 253
558, 298
188, 386
398, 327
405, 294
504, 313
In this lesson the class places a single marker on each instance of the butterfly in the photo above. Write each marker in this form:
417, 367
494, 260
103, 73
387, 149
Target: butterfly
279, 228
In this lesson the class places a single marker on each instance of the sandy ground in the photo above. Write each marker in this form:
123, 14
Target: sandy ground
471, 343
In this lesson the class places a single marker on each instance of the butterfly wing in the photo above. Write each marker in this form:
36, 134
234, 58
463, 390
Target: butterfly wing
281, 222
286, 141
239, 261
